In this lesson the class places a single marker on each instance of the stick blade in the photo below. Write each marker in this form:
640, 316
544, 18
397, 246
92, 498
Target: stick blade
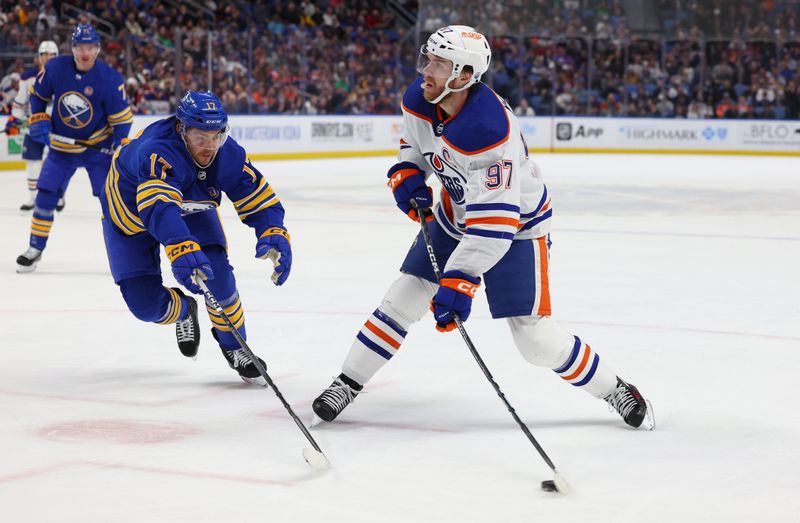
316, 459
561, 484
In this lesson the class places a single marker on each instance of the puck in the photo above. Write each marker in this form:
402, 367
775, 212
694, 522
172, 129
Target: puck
549, 485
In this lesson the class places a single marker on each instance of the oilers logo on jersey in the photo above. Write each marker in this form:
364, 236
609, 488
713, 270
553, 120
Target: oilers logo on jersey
452, 179
75, 110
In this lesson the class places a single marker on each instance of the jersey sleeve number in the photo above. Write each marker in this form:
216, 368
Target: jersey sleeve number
498, 174
164, 166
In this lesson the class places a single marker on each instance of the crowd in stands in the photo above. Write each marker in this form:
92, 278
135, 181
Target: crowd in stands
707, 59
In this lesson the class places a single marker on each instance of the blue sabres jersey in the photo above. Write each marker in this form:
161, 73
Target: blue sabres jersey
29, 73
91, 106
154, 181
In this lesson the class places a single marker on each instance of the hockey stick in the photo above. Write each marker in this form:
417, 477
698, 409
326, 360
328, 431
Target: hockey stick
73, 141
314, 457
559, 482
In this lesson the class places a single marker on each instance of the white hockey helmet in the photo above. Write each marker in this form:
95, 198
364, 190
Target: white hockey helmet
463, 46
49, 47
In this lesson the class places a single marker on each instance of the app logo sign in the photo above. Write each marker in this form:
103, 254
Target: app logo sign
564, 131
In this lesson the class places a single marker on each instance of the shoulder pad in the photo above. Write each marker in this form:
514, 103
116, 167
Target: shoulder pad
231, 154
29, 73
482, 124
112, 74
415, 104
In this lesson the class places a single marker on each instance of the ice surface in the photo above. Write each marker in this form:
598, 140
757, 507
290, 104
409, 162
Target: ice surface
681, 271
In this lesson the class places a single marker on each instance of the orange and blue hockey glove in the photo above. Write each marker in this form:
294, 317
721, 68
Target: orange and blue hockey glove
187, 257
407, 182
454, 297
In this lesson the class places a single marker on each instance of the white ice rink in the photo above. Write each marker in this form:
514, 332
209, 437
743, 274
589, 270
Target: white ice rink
683, 272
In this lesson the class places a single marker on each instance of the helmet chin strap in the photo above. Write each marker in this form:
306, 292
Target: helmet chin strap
447, 89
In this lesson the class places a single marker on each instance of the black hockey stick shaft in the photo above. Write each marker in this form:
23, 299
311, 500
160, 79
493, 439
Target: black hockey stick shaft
74, 141
243, 344
423, 213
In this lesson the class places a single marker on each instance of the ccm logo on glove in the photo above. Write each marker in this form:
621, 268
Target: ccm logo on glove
179, 249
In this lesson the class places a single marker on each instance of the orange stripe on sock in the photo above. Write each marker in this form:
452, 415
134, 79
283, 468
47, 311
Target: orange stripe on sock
544, 301
382, 335
493, 220
582, 366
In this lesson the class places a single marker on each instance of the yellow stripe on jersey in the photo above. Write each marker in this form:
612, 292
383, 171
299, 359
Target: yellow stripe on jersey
127, 221
100, 135
122, 117
258, 200
153, 191
66, 147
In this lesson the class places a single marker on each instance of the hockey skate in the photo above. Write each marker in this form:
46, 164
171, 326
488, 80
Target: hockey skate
29, 205
629, 403
60, 205
241, 363
334, 399
187, 331
26, 262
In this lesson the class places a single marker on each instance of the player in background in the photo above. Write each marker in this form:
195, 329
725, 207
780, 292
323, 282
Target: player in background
163, 189
8, 90
89, 104
492, 223
32, 151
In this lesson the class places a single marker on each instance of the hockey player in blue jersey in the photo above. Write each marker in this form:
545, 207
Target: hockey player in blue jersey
89, 105
492, 223
163, 189
32, 151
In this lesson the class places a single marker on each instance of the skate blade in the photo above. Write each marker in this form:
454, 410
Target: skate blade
649, 422
260, 381
22, 269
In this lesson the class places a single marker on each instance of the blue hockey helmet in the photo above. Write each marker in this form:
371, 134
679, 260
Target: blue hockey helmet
202, 110
85, 34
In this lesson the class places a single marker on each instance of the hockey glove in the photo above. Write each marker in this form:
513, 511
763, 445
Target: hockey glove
186, 257
407, 182
39, 127
12, 126
454, 297
274, 245
120, 143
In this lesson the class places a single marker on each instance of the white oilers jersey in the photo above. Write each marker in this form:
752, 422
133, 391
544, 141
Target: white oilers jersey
21, 108
492, 192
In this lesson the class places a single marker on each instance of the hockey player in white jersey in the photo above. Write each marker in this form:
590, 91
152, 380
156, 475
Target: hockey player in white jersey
32, 151
491, 223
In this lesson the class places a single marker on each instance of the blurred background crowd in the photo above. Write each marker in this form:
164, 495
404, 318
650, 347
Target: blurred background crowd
654, 58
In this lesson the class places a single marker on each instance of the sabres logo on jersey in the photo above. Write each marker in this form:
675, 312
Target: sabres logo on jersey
452, 180
75, 110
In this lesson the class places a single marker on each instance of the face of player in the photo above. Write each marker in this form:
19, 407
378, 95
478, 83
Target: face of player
44, 58
435, 73
85, 55
203, 145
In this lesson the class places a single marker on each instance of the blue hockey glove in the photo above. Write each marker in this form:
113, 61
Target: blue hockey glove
407, 182
39, 127
274, 245
455, 294
186, 257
